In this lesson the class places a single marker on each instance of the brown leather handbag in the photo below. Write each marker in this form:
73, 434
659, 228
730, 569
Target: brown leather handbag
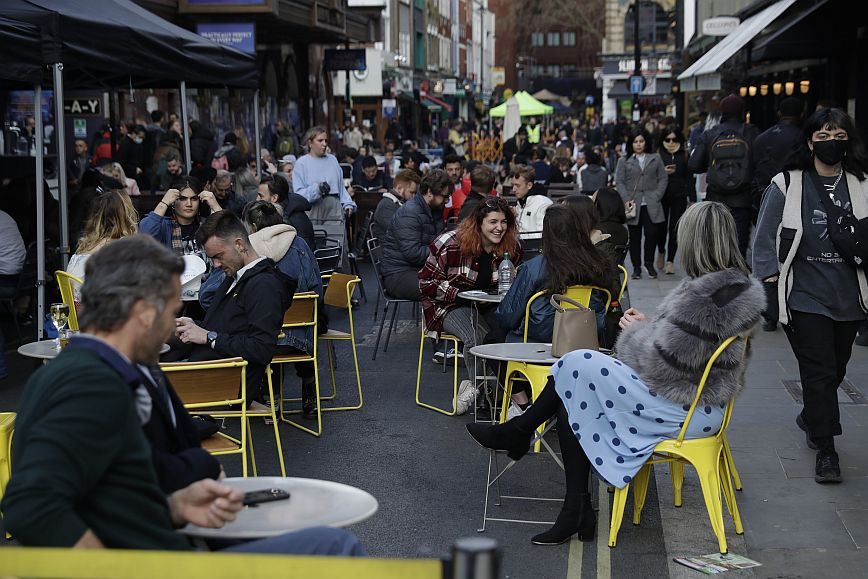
575, 327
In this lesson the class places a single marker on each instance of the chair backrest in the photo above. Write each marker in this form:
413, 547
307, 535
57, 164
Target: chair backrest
64, 282
340, 290
625, 276
328, 259
531, 244
363, 234
376, 253
302, 312
208, 383
579, 293
727, 414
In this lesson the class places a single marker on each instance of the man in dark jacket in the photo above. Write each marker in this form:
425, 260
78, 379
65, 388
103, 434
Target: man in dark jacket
202, 144
413, 228
740, 202
406, 183
246, 314
517, 149
295, 207
481, 185
131, 153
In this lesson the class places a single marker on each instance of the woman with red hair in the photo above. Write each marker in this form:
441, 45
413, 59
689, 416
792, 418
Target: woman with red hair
467, 259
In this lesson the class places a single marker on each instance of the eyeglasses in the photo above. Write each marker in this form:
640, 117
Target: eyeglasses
668, 140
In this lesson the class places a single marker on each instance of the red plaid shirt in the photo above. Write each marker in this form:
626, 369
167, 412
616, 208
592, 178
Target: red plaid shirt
447, 272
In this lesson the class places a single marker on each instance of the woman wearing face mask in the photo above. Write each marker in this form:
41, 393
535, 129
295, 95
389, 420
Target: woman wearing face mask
822, 292
678, 190
641, 180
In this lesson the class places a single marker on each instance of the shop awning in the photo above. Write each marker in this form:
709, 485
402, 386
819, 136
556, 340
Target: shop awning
709, 64
797, 36
527, 106
431, 106
428, 100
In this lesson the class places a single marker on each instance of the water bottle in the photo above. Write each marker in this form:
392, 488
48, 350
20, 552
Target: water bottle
505, 275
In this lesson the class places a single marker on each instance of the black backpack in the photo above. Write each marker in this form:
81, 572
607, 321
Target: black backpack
729, 162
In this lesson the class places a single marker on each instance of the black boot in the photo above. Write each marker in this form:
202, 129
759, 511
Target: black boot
575, 517
504, 436
308, 400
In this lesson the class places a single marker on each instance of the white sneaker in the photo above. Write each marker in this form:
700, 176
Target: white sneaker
514, 410
466, 397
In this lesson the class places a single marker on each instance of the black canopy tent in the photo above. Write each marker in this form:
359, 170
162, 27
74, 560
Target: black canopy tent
105, 44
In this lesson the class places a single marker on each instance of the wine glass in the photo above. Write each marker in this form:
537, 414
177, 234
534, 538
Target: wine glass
60, 316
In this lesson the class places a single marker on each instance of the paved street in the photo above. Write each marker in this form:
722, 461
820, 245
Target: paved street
429, 476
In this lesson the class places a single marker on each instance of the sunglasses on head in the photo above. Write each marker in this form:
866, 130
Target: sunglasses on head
496, 203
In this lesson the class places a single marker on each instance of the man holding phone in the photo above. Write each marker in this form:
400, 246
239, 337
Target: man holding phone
83, 473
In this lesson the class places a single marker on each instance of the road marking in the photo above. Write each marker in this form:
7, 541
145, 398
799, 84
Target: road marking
574, 565
604, 562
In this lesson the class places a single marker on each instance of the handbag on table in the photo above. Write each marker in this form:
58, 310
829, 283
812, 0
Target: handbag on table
575, 327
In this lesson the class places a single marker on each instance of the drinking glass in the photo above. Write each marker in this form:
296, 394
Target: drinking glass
60, 317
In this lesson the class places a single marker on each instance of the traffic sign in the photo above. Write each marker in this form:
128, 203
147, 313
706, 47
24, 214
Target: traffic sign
637, 84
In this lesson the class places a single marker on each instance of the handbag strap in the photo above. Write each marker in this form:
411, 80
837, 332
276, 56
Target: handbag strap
557, 298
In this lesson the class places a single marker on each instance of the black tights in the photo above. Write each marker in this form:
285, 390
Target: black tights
577, 467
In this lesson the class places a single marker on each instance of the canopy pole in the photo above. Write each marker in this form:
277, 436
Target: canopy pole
40, 213
185, 126
256, 132
60, 131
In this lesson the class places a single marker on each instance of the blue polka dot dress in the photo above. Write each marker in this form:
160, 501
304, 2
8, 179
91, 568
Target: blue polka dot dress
616, 418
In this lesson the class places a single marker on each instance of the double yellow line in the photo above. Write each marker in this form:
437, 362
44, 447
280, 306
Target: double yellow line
604, 561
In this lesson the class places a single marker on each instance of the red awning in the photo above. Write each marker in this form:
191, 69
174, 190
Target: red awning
440, 102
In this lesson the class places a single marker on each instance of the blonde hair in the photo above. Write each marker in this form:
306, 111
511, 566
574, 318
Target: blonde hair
708, 241
116, 171
112, 217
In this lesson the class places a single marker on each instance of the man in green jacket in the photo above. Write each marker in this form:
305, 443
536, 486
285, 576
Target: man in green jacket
83, 474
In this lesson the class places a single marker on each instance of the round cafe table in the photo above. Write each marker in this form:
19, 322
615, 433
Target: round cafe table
312, 503
47, 349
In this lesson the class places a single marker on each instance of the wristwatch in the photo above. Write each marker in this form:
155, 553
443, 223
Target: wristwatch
211, 337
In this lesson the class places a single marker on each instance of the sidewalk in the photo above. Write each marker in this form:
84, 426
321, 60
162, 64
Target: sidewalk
793, 526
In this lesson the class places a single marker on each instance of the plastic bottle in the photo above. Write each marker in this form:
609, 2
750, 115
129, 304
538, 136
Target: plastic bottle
505, 275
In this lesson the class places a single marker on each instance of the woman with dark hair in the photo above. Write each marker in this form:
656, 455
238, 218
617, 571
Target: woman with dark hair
610, 208
810, 240
679, 189
641, 181
570, 256
613, 412
177, 230
467, 259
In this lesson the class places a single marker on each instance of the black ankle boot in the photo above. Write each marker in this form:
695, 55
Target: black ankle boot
572, 519
504, 436
308, 400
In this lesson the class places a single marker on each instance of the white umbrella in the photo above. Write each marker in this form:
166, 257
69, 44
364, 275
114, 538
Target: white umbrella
512, 119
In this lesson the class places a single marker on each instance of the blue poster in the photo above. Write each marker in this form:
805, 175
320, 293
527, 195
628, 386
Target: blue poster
238, 35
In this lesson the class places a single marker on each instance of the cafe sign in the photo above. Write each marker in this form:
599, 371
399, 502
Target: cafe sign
719, 26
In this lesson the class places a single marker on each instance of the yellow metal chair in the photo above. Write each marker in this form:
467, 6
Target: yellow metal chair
705, 454
623, 271
301, 314
7, 429
455, 341
64, 282
339, 292
209, 387
579, 293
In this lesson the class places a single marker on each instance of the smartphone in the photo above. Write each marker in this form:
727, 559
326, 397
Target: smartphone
253, 498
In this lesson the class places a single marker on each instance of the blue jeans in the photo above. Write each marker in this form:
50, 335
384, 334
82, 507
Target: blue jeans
315, 541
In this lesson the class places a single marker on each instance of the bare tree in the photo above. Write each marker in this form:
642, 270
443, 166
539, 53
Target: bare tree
586, 17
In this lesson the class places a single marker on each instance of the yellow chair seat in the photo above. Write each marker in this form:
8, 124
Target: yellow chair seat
286, 358
219, 444
335, 335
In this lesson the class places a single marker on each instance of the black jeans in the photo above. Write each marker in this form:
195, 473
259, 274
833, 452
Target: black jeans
650, 229
673, 209
822, 347
742, 217
403, 285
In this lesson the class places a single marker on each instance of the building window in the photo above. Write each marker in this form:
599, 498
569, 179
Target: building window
537, 70
537, 39
654, 26
569, 70
420, 51
554, 70
569, 38
554, 38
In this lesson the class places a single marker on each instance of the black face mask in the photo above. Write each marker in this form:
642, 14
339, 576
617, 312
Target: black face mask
831, 152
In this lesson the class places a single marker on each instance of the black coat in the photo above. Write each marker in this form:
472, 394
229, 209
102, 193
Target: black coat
176, 452
699, 159
681, 183
294, 213
410, 232
771, 150
131, 155
202, 147
510, 148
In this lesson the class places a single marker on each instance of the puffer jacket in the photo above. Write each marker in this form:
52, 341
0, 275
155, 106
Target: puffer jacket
643, 185
410, 233
670, 351
530, 212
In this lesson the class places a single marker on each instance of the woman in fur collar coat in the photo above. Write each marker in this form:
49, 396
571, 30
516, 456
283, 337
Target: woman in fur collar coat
619, 409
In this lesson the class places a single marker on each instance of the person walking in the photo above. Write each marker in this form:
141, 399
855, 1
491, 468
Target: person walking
641, 181
811, 239
318, 178
679, 191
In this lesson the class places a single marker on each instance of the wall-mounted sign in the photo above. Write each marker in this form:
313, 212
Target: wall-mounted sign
226, 6
498, 76
351, 59
82, 106
662, 64
719, 26
238, 35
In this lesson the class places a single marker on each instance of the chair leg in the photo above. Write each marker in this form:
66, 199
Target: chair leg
391, 326
298, 425
709, 479
250, 453
640, 491
729, 496
454, 381
676, 472
618, 505
274, 424
730, 463
380, 333
377, 306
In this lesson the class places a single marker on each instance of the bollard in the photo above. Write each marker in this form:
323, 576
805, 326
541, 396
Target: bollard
475, 558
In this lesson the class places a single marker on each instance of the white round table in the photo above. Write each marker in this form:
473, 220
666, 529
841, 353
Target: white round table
312, 503
480, 296
47, 349
530, 353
